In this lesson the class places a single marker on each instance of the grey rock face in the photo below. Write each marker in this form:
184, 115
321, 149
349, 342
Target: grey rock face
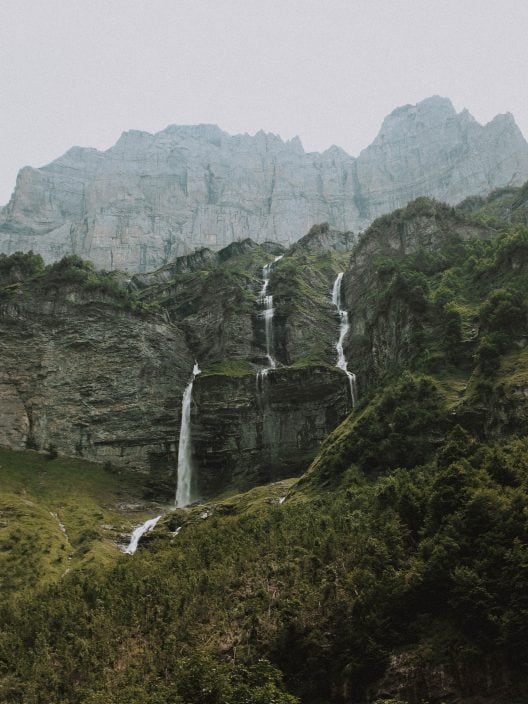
151, 198
321, 239
94, 381
246, 433
99, 371
429, 149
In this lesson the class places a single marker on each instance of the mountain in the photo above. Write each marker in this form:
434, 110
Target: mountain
153, 197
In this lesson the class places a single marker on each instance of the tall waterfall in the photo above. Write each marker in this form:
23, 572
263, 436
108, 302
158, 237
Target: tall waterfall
185, 467
265, 300
343, 332
139, 532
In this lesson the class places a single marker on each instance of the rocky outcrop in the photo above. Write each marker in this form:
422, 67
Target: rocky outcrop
424, 225
203, 260
387, 311
414, 676
501, 208
14, 421
322, 238
216, 302
151, 198
428, 149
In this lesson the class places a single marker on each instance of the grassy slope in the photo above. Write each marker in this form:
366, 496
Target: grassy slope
325, 585
60, 515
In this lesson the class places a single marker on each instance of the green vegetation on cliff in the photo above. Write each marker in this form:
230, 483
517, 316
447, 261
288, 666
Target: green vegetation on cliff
24, 274
306, 321
448, 303
500, 209
107, 357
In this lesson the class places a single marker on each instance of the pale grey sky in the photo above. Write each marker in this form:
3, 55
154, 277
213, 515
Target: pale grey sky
79, 72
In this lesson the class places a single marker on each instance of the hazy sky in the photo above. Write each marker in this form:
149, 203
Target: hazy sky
82, 71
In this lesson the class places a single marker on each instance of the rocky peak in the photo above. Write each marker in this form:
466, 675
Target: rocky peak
429, 149
200, 259
430, 113
153, 197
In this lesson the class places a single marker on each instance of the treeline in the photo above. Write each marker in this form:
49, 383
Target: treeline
26, 272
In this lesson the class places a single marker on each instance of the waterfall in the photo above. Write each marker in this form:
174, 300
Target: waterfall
185, 468
265, 300
343, 332
139, 532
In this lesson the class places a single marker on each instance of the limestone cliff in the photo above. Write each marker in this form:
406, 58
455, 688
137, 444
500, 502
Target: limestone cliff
89, 378
244, 434
95, 364
153, 197
428, 149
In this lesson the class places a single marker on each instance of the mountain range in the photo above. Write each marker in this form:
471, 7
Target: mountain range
153, 197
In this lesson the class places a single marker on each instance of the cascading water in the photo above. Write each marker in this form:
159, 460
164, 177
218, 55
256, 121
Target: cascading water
139, 532
343, 332
266, 301
185, 468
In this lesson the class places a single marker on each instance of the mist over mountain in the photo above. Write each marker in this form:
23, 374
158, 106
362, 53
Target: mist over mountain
152, 197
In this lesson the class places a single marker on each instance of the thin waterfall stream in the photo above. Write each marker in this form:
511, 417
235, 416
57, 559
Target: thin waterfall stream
344, 327
185, 467
266, 300
185, 464
139, 532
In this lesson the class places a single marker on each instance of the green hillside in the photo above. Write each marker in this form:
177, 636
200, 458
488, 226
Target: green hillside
61, 515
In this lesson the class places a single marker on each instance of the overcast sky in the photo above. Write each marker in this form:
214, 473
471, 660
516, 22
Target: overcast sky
79, 72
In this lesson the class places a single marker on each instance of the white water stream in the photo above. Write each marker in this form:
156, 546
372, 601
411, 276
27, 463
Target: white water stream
185, 466
344, 327
139, 532
265, 300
